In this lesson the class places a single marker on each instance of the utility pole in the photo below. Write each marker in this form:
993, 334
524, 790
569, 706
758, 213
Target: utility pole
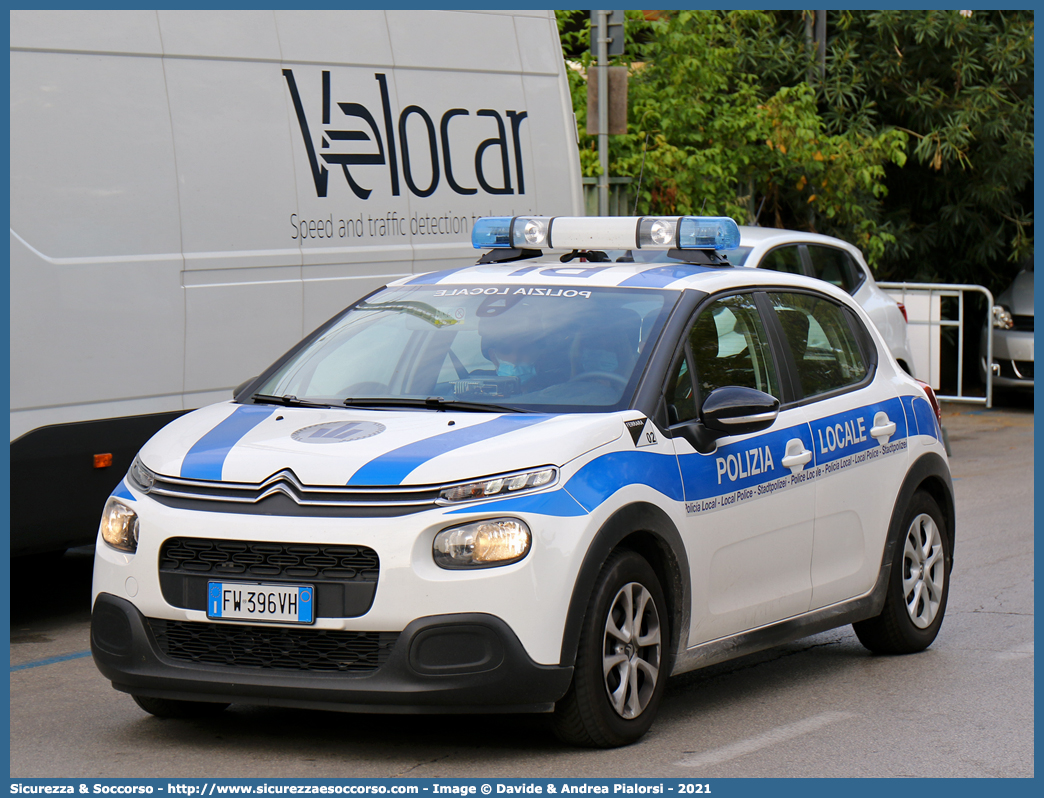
821, 44
810, 40
815, 40
603, 112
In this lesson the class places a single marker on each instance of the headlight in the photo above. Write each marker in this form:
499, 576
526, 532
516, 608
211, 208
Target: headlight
1002, 318
498, 486
140, 476
119, 526
482, 544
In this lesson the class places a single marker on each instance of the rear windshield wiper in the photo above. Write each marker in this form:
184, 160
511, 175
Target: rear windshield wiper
431, 403
287, 401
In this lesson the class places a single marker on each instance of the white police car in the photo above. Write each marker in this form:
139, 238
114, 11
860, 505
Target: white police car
534, 484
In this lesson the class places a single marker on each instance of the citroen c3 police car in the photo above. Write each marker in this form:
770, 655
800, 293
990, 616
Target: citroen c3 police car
535, 484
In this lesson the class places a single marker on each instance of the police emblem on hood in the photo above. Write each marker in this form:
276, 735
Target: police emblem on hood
338, 432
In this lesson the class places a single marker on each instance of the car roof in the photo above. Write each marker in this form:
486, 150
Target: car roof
766, 237
550, 271
756, 236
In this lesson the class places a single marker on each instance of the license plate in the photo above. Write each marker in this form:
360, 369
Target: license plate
242, 601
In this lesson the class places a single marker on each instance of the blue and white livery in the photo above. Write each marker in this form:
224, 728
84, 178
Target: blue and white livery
541, 483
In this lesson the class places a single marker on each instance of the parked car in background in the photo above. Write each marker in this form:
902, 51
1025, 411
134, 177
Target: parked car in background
826, 258
1012, 320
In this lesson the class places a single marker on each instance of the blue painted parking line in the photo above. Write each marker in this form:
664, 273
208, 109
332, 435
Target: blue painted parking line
50, 661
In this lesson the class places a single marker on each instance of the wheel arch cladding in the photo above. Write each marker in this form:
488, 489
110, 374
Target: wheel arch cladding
930, 474
648, 531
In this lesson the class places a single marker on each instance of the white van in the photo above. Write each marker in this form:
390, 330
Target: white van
193, 191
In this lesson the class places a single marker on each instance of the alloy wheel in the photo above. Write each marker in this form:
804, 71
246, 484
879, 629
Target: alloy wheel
631, 651
924, 571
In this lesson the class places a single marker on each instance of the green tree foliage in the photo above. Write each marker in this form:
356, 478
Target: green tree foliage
962, 86
706, 136
918, 146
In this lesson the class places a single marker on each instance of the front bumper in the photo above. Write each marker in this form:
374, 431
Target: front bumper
469, 662
1012, 356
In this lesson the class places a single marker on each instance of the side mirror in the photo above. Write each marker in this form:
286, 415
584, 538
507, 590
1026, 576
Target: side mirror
730, 410
241, 387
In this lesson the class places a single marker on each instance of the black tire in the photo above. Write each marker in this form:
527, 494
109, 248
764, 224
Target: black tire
586, 715
905, 627
171, 708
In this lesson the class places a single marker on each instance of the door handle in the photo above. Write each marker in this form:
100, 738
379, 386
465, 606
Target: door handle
796, 455
883, 429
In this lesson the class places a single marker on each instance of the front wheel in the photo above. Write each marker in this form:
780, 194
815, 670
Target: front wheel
619, 675
918, 586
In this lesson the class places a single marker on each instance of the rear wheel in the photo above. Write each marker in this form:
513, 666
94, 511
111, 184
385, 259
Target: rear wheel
918, 587
172, 708
619, 675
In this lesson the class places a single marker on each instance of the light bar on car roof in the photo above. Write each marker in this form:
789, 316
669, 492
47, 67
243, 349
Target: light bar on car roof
605, 232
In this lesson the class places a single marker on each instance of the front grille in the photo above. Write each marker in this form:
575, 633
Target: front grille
246, 558
1022, 323
1024, 368
284, 494
345, 577
271, 647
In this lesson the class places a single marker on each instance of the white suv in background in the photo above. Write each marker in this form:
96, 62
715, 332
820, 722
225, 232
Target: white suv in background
826, 258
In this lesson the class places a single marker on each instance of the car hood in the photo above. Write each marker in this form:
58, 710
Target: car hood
1018, 296
333, 447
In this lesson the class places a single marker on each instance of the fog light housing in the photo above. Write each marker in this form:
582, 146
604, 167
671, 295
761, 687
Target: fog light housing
482, 544
119, 526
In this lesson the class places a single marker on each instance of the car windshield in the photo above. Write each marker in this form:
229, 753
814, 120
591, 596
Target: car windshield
525, 348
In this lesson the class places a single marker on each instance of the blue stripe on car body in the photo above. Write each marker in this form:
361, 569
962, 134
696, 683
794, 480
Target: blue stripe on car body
123, 492
662, 276
704, 479
391, 468
922, 417
927, 423
207, 456
603, 476
860, 435
693, 477
557, 503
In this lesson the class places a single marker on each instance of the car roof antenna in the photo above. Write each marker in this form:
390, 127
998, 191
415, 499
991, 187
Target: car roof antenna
641, 173
758, 214
628, 256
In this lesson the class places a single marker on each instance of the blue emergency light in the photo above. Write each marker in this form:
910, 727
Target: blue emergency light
606, 232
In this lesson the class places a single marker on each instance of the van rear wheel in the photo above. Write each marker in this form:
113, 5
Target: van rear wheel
619, 674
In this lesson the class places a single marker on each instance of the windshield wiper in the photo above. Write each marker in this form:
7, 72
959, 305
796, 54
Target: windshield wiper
431, 403
286, 401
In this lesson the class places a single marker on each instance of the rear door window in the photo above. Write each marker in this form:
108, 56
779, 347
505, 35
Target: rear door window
783, 259
824, 347
834, 266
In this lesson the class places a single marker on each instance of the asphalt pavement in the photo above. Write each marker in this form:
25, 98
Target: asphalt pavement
819, 707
